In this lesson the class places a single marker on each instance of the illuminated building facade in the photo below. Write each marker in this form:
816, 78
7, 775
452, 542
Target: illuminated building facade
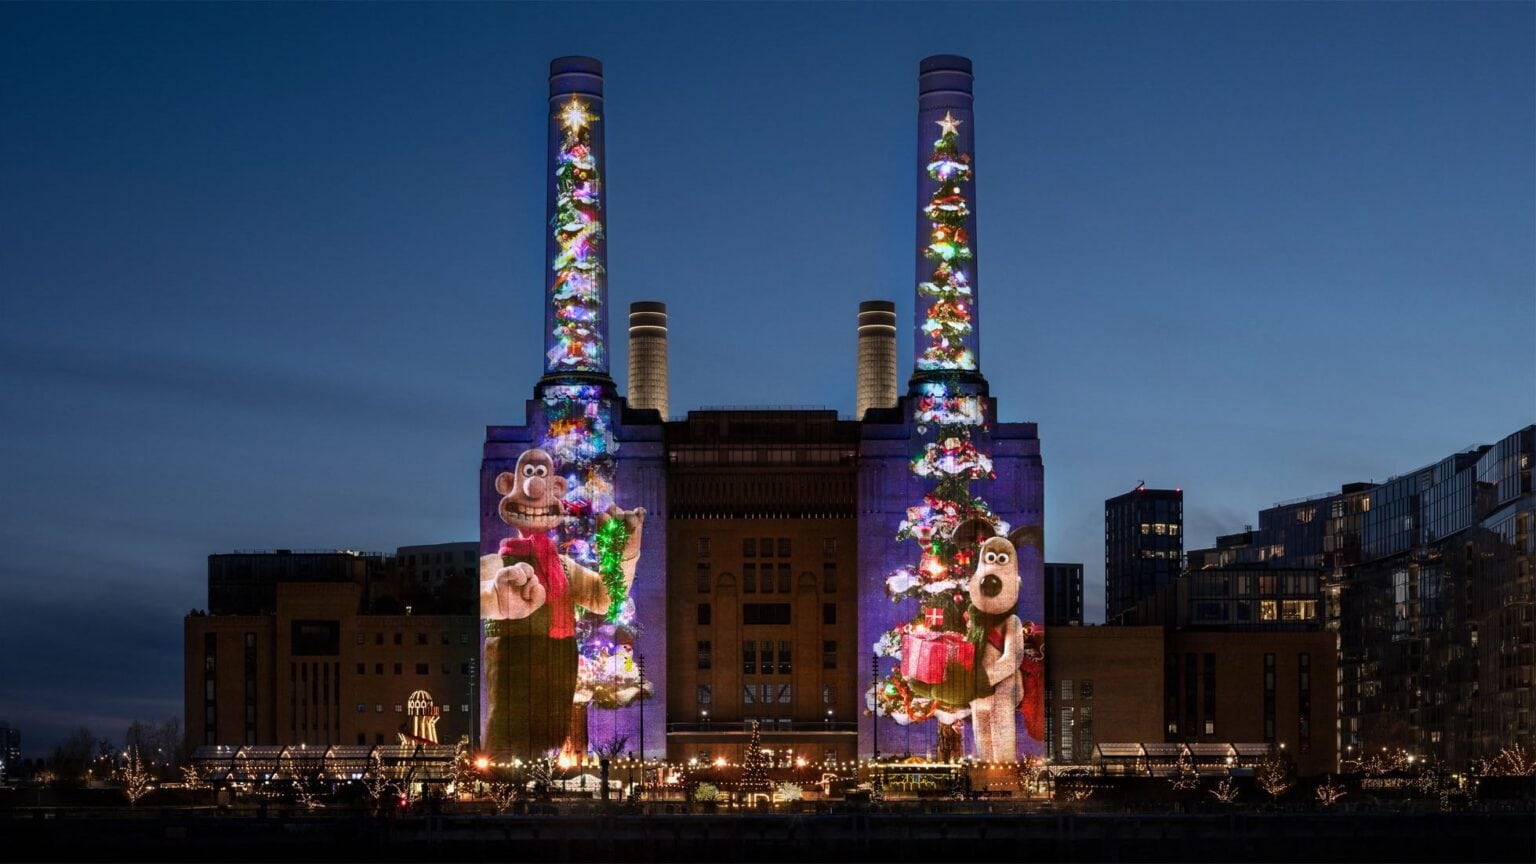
316, 663
1127, 684
1426, 580
771, 565
1143, 546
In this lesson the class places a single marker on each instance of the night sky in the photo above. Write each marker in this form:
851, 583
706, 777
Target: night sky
269, 270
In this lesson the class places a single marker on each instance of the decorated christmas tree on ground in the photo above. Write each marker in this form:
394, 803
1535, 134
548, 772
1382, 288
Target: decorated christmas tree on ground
754, 766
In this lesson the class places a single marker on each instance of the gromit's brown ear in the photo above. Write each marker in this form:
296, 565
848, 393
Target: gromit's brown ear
1028, 535
506, 481
972, 532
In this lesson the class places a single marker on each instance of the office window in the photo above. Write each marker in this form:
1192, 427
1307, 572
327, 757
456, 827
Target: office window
767, 582
829, 654
827, 694
749, 548
765, 547
829, 614
749, 578
749, 657
783, 658
399, 708
398, 668
464, 707
361, 707
703, 547
765, 658
379, 708
399, 638
765, 697
1066, 689
421, 638
362, 668
704, 694
703, 575
378, 638
703, 615
765, 613
1085, 689
421, 668
1064, 735
749, 694
829, 547
784, 579
463, 638
784, 694
361, 639
1304, 702
783, 547
829, 578
705, 654
378, 668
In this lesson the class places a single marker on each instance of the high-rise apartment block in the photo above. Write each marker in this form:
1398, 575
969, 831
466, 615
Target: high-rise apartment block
1063, 595
1143, 546
1426, 579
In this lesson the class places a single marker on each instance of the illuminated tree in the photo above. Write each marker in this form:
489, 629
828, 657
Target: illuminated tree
1225, 791
1184, 776
754, 766
1511, 761
377, 781
1273, 776
1328, 793
135, 777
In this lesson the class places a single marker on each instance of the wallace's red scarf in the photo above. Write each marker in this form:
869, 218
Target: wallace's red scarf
551, 573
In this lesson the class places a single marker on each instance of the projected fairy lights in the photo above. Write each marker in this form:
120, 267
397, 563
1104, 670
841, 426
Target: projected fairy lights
581, 440
577, 290
948, 320
964, 653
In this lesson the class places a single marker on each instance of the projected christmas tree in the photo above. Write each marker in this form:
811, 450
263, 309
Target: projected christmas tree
576, 292
938, 645
948, 321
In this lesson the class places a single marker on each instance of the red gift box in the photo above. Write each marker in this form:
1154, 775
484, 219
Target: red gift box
929, 656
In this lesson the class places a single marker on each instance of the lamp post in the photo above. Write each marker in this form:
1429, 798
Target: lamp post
640, 664
874, 716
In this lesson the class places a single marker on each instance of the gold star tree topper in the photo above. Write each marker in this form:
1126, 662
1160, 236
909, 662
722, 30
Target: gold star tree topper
575, 117
949, 124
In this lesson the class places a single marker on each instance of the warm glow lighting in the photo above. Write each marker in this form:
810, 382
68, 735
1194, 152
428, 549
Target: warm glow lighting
575, 116
482, 763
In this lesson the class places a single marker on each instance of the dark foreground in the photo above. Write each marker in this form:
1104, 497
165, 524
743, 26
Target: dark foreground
878, 836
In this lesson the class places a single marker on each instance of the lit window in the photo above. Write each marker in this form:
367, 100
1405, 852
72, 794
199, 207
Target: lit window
1268, 610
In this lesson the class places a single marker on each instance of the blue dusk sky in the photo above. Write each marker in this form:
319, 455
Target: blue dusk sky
270, 270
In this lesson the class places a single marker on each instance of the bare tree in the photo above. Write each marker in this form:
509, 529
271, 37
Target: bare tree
1225, 791
1511, 761
606, 752
377, 781
1184, 776
134, 776
1329, 793
1273, 776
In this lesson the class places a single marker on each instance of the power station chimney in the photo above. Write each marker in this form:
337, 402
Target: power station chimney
877, 356
575, 250
947, 331
648, 356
